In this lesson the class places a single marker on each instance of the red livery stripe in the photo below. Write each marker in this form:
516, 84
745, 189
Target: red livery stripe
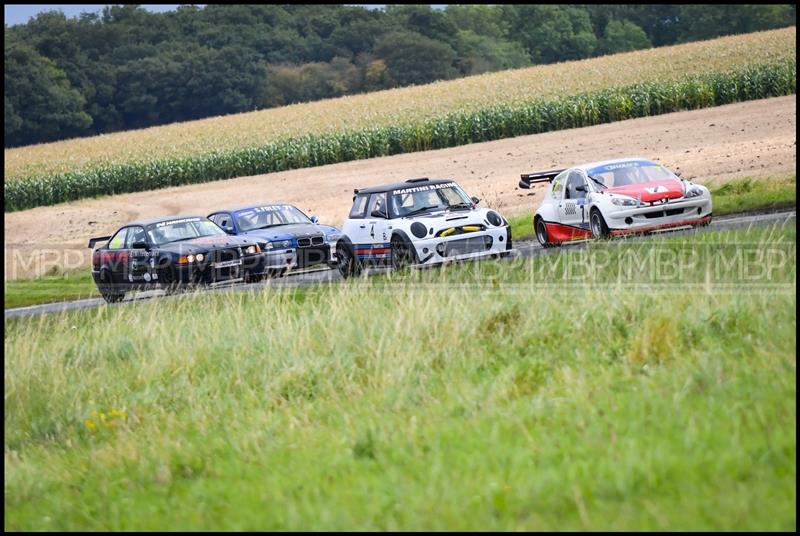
557, 232
373, 251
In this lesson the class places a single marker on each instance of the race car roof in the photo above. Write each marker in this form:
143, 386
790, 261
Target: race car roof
252, 205
145, 223
402, 185
591, 165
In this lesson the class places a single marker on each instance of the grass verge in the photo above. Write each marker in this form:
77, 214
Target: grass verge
72, 285
408, 404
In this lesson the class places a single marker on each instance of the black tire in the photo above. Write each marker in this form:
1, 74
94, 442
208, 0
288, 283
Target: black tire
402, 253
348, 265
598, 225
166, 280
105, 290
540, 229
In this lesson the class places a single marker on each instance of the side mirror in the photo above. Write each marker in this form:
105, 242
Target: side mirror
229, 230
140, 245
314, 219
476, 200
378, 214
524, 185
580, 188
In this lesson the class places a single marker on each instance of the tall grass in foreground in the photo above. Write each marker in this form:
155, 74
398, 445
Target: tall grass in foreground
390, 404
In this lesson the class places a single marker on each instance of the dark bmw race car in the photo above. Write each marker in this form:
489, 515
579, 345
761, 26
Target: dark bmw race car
280, 228
167, 253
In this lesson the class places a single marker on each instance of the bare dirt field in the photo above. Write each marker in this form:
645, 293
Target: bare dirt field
755, 138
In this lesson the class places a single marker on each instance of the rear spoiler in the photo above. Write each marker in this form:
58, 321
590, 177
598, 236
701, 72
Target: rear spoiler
540, 176
93, 241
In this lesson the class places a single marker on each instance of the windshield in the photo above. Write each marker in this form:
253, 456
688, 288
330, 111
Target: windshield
171, 231
269, 216
415, 200
627, 173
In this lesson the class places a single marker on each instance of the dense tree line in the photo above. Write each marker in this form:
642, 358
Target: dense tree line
130, 68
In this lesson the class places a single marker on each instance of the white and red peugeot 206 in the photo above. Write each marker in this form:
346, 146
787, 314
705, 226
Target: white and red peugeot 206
615, 197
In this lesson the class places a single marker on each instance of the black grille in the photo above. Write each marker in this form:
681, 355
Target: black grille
662, 213
465, 245
312, 241
222, 255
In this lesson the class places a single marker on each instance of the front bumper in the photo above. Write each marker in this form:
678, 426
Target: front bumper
662, 216
457, 247
272, 261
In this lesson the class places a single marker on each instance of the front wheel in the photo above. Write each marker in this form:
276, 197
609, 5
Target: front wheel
402, 255
348, 265
598, 224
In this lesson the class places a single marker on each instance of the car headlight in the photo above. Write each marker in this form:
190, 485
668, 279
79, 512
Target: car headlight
251, 250
279, 244
199, 257
624, 201
694, 191
494, 218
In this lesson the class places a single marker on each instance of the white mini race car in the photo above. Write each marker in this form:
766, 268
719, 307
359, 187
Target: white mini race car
615, 197
418, 222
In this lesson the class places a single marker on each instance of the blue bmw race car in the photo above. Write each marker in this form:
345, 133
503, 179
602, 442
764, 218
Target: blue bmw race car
281, 228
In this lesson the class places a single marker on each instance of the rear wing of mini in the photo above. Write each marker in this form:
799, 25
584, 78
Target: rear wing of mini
93, 241
540, 176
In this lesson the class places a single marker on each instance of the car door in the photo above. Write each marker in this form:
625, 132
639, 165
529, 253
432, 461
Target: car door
142, 264
378, 220
117, 257
572, 209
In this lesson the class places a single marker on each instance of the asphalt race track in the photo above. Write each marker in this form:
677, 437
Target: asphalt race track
525, 249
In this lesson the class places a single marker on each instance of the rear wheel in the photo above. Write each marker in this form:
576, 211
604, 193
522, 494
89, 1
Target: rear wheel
598, 224
348, 265
106, 288
541, 233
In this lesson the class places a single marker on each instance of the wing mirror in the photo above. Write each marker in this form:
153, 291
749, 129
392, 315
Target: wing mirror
378, 214
314, 219
476, 200
581, 188
140, 245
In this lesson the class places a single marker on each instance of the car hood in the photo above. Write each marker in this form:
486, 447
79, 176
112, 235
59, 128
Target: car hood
206, 243
450, 218
650, 191
288, 232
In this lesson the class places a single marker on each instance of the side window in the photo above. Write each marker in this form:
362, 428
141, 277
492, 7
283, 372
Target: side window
378, 203
558, 186
118, 240
223, 219
135, 234
575, 180
359, 209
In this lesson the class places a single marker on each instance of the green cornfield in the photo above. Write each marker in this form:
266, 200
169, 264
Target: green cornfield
30, 182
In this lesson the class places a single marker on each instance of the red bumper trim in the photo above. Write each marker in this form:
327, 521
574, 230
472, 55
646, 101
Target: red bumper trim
694, 221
